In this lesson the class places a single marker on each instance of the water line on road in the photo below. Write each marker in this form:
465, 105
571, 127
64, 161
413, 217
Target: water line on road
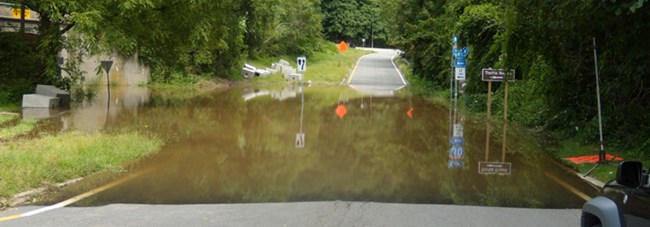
567, 186
83, 196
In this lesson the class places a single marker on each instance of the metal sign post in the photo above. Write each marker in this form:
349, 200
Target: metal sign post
456, 152
302, 67
107, 67
497, 75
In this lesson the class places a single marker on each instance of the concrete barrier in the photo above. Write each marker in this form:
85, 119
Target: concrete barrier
52, 91
247, 73
39, 101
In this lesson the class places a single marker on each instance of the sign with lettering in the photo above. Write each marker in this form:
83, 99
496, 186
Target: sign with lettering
494, 168
498, 75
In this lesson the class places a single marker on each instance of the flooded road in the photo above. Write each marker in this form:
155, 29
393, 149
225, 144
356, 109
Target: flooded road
243, 145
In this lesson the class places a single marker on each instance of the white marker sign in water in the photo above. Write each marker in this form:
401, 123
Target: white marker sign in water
302, 63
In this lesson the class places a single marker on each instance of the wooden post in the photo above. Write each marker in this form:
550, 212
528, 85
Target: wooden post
505, 120
487, 128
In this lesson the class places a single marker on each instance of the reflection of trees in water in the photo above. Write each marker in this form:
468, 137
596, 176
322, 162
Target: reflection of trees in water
224, 149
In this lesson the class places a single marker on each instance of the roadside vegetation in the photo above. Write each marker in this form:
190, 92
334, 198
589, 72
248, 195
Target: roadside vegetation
555, 60
32, 163
324, 67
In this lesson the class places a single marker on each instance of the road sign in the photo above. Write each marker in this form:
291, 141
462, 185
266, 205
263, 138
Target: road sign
300, 140
494, 168
107, 65
498, 75
342, 47
458, 130
15, 12
302, 63
457, 141
460, 63
454, 39
460, 73
460, 53
341, 111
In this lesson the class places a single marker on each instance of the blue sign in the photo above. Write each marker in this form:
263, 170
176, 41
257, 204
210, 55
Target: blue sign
457, 141
460, 63
454, 39
460, 53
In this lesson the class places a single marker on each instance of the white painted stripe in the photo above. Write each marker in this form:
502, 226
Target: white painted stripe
397, 69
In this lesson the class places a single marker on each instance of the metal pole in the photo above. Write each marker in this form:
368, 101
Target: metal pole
451, 98
487, 128
302, 107
505, 120
601, 153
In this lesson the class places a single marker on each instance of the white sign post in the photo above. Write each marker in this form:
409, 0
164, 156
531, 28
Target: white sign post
302, 63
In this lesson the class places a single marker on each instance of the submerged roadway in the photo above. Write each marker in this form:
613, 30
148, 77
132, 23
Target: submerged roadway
374, 74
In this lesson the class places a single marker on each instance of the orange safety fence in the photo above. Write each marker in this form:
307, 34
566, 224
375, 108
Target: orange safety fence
592, 159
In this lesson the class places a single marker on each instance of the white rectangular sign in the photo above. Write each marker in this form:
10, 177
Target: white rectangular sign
460, 73
300, 140
494, 168
302, 63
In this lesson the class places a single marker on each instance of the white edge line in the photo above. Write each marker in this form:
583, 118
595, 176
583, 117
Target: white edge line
397, 69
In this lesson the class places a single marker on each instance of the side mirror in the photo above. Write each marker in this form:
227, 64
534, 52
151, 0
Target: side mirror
629, 173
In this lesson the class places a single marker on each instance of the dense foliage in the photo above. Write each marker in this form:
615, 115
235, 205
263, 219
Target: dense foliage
172, 36
550, 44
354, 21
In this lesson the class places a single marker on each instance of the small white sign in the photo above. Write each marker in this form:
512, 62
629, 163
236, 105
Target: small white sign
458, 130
302, 63
300, 140
460, 73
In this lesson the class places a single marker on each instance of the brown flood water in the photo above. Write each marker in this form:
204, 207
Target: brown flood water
239, 146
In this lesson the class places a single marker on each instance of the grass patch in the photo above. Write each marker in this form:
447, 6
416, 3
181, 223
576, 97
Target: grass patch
4, 118
419, 86
326, 67
572, 148
10, 107
23, 127
33, 163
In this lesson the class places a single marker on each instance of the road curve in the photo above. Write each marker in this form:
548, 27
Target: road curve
376, 74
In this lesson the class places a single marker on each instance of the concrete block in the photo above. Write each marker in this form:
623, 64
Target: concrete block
39, 101
287, 71
39, 113
284, 62
272, 71
52, 91
294, 77
262, 72
247, 73
250, 66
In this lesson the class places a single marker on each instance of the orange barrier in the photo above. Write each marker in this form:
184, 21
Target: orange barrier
591, 159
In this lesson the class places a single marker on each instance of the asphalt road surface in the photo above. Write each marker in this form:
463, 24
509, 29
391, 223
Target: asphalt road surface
376, 74
336, 213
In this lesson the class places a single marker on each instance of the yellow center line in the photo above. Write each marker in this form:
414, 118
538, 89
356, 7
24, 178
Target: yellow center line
568, 187
355, 68
78, 197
